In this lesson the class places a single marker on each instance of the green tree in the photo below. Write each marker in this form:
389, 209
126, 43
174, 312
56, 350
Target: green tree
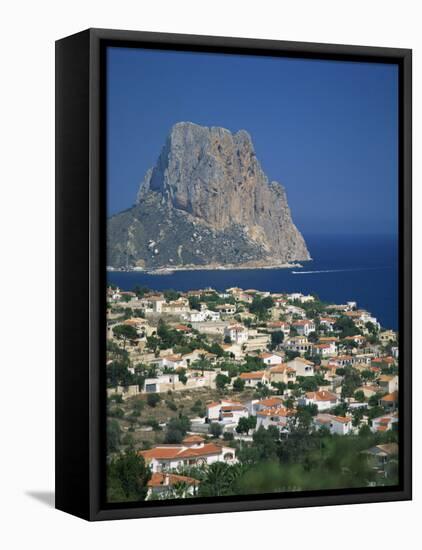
170, 295
239, 384
221, 381
195, 303
127, 478
277, 338
125, 333
153, 399
113, 436
346, 327
176, 429
140, 291
215, 429
359, 396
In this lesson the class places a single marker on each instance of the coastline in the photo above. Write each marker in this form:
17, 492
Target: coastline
207, 267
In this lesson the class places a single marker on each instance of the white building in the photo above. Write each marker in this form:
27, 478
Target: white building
278, 417
238, 334
271, 359
226, 309
252, 379
172, 362
323, 399
302, 366
304, 327
162, 485
191, 452
339, 425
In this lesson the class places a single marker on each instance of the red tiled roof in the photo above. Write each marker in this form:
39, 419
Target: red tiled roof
162, 479
257, 375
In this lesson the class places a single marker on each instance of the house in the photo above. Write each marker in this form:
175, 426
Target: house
252, 379
238, 334
357, 339
271, 359
161, 383
384, 423
279, 326
231, 414
387, 336
294, 310
388, 383
213, 409
298, 296
323, 399
324, 349
195, 316
338, 425
166, 485
342, 361
258, 405
175, 307
235, 350
327, 323
164, 458
299, 344
156, 303
278, 417
381, 455
304, 327
369, 390
198, 354
302, 366
216, 328
226, 309
390, 401
172, 362
282, 373
256, 342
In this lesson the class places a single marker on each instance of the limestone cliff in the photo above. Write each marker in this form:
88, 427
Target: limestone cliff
206, 201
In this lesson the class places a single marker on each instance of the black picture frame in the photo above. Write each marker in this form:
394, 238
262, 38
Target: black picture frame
81, 283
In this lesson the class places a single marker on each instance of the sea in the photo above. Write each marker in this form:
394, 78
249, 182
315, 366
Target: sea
361, 268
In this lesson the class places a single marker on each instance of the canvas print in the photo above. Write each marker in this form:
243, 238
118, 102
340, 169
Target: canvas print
252, 275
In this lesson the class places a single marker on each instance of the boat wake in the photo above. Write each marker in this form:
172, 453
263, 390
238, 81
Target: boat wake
335, 270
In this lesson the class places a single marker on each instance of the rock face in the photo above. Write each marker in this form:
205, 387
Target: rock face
206, 202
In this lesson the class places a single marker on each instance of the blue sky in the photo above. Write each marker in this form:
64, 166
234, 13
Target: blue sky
326, 130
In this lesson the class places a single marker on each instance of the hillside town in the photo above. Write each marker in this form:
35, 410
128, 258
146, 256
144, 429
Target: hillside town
206, 387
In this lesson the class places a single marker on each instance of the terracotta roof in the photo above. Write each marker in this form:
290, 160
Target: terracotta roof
270, 402
282, 411
257, 375
161, 452
227, 408
342, 419
167, 453
162, 479
172, 357
282, 367
391, 397
322, 395
208, 449
182, 328
302, 360
382, 428
389, 448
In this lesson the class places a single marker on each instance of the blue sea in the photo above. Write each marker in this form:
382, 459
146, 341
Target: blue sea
360, 268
